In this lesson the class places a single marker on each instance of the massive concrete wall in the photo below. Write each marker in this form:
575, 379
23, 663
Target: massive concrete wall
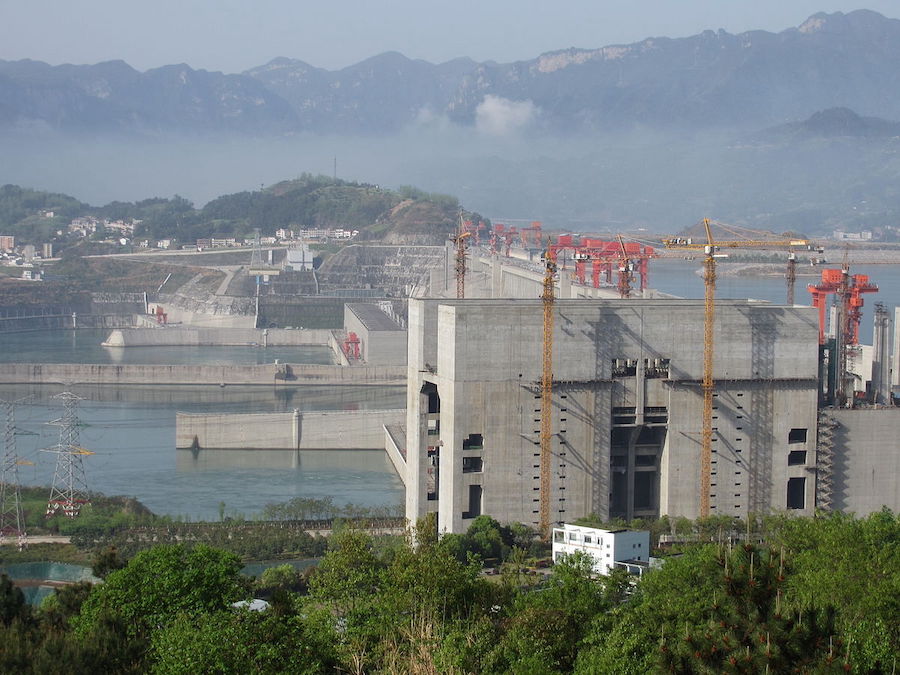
482, 358
183, 336
866, 460
266, 374
342, 430
65, 322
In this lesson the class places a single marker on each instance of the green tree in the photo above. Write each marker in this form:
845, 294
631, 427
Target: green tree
160, 583
546, 627
854, 565
12, 602
748, 627
239, 641
106, 561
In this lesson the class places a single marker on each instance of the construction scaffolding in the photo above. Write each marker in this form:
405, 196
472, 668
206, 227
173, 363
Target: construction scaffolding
825, 462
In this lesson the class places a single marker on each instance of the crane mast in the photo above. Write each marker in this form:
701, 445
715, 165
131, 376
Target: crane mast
709, 280
710, 249
460, 240
548, 298
791, 277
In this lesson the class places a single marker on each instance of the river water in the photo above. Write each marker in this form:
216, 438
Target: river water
131, 429
679, 277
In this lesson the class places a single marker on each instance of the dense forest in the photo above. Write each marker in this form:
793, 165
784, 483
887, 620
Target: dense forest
307, 202
798, 595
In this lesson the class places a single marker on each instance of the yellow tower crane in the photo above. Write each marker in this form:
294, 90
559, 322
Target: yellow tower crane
461, 240
548, 299
710, 249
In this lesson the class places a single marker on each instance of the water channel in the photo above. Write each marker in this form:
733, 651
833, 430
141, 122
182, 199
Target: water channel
131, 430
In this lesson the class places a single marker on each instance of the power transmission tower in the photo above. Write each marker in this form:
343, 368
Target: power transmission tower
256, 261
69, 490
12, 520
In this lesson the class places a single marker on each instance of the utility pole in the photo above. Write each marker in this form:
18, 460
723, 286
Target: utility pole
69, 490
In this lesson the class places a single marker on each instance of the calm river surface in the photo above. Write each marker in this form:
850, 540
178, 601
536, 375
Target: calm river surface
132, 429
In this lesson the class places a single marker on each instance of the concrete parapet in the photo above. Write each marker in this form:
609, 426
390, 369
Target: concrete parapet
265, 374
395, 446
334, 430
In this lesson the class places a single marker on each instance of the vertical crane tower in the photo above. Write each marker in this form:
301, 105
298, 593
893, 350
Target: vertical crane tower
548, 298
461, 240
710, 250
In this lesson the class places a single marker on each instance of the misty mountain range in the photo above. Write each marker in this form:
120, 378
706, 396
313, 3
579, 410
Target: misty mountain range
713, 80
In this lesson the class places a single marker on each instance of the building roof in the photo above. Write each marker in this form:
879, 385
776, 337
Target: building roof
373, 318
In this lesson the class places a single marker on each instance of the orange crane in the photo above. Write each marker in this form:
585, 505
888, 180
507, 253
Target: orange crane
710, 249
548, 299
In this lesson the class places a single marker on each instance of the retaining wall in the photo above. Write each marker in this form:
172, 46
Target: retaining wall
65, 322
180, 336
335, 430
265, 374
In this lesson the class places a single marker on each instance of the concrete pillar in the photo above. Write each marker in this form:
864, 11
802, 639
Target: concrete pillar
565, 284
496, 277
295, 428
881, 378
895, 374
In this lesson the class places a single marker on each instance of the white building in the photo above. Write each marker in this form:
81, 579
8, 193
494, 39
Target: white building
299, 257
607, 548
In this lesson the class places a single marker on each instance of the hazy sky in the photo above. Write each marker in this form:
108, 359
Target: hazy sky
233, 35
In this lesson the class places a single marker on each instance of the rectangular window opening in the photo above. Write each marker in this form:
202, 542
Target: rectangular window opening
796, 493
797, 457
797, 436
472, 464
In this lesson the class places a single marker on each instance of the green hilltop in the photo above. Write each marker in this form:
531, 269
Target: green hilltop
305, 202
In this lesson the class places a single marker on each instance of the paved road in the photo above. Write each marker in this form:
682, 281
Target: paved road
37, 539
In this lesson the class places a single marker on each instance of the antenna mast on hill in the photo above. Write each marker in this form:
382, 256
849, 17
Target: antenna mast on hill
69, 490
12, 520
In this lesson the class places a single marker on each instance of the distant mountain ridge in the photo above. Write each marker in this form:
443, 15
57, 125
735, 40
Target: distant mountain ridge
834, 123
714, 79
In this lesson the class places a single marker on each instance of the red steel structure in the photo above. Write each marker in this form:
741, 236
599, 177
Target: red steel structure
526, 233
351, 346
626, 257
850, 289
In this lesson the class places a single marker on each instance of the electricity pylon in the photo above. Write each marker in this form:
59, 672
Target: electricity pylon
69, 491
12, 519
